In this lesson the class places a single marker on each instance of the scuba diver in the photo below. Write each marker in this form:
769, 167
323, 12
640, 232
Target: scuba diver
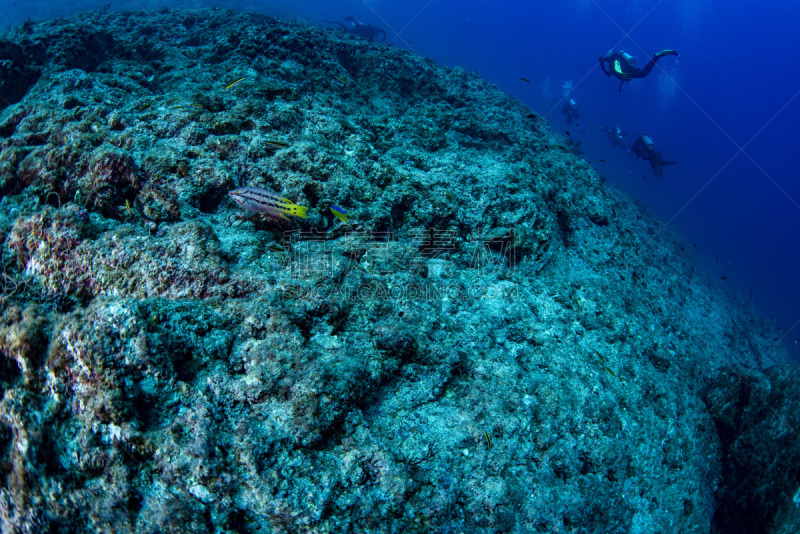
616, 135
571, 111
360, 29
644, 148
623, 65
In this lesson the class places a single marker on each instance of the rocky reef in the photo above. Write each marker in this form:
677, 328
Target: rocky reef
494, 341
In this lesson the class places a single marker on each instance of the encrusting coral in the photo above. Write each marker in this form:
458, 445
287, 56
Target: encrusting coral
494, 341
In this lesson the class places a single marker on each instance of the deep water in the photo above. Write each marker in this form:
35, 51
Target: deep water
475, 317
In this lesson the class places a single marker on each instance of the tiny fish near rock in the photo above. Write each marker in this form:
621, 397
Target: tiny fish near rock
262, 200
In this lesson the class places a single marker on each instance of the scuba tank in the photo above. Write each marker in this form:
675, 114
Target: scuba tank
629, 59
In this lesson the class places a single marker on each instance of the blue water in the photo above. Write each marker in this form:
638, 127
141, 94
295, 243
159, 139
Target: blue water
727, 109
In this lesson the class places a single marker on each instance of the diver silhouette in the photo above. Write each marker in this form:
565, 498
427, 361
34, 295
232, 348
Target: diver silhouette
360, 29
623, 65
616, 135
644, 148
570, 110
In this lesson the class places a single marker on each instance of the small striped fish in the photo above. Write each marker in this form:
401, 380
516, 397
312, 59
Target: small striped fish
262, 200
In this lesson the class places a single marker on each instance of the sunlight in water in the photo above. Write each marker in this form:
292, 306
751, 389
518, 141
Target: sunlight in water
667, 86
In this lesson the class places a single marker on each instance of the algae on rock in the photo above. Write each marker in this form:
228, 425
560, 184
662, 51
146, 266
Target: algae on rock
495, 341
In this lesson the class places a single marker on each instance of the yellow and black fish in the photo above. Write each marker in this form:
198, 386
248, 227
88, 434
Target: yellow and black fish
262, 200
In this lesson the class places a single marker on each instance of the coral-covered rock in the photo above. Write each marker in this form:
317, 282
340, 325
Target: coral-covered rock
493, 341
760, 477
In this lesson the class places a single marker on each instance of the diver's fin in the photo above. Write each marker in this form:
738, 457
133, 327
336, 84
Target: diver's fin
658, 168
658, 165
666, 52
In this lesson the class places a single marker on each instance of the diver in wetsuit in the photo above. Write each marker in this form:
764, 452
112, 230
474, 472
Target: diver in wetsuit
616, 135
570, 110
623, 65
361, 29
644, 148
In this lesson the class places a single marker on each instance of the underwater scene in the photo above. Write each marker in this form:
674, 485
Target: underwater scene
399, 267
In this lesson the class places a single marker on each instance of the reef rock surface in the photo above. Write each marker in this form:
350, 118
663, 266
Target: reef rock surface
495, 341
